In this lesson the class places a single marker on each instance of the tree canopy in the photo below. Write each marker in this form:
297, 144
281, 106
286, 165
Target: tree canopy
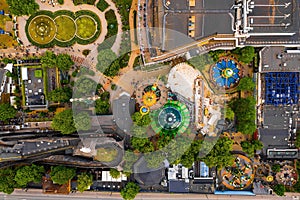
154, 159
62, 174
229, 114
192, 154
82, 121
220, 155
84, 87
24, 7
279, 189
114, 173
250, 147
245, 54
48, 59
105, 59
27, 174
84, 181
64, 62
143, 145
7, 112
246, 84
63, 122
7, 182
60, 94
244, 110
141, 120
130, 191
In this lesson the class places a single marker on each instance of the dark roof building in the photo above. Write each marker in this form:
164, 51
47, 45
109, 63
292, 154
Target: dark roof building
123, 107
147, 176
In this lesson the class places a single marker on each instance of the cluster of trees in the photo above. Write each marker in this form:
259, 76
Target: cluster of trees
114, 173
244, 110
279, 189
220, 155
7, 112
61, 61
105, 58
12, 178
276, 168
63, 95
215, 55
141, 120
250, 147
246, 84
130, 191
109, 64
67, 124
245, 54
84, 87
84, 181
24, 7
102, 105
140, 141
61, 174
229, 114
201, 61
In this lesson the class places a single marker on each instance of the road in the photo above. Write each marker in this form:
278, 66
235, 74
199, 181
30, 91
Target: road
35, 194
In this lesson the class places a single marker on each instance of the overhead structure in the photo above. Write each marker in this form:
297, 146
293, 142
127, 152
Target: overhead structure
282, 88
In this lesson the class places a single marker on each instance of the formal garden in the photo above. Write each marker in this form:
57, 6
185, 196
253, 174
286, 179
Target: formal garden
63, 28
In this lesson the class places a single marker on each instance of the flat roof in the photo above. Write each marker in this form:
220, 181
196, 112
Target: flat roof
275, 59
123, 108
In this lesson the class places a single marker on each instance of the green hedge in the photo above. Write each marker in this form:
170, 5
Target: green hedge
102, 5
112, 24
78, 2
73, 16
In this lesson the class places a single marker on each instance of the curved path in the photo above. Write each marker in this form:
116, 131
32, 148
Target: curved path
76, 49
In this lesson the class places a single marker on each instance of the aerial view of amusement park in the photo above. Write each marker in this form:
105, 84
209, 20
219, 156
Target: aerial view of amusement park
149, 99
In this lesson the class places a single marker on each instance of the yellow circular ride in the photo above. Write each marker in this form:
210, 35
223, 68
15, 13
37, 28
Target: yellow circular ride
144, 110
149, 98
270, 178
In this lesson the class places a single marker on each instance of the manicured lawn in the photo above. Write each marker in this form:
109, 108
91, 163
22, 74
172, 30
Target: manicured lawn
66, 28
106, 154
38, 73
86, 27
42, 29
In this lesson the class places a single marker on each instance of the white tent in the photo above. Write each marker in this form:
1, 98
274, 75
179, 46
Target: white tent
24, 73
181, 80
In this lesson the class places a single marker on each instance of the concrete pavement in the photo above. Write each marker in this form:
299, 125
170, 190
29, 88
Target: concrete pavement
36, 194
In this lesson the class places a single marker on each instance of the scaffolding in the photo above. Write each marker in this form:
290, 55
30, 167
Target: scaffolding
282, 88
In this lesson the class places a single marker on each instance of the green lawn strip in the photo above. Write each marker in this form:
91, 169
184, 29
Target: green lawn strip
23, 94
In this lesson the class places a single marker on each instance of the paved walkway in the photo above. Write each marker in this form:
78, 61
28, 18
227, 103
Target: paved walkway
76, 49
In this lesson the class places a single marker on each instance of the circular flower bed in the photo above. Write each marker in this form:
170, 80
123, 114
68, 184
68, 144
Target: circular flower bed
66, 28
42, 29
86, 27
62, 28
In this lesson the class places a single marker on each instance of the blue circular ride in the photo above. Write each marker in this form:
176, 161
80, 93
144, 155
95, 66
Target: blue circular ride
226, 73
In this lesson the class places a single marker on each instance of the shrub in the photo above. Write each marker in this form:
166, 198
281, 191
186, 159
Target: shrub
102, 5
